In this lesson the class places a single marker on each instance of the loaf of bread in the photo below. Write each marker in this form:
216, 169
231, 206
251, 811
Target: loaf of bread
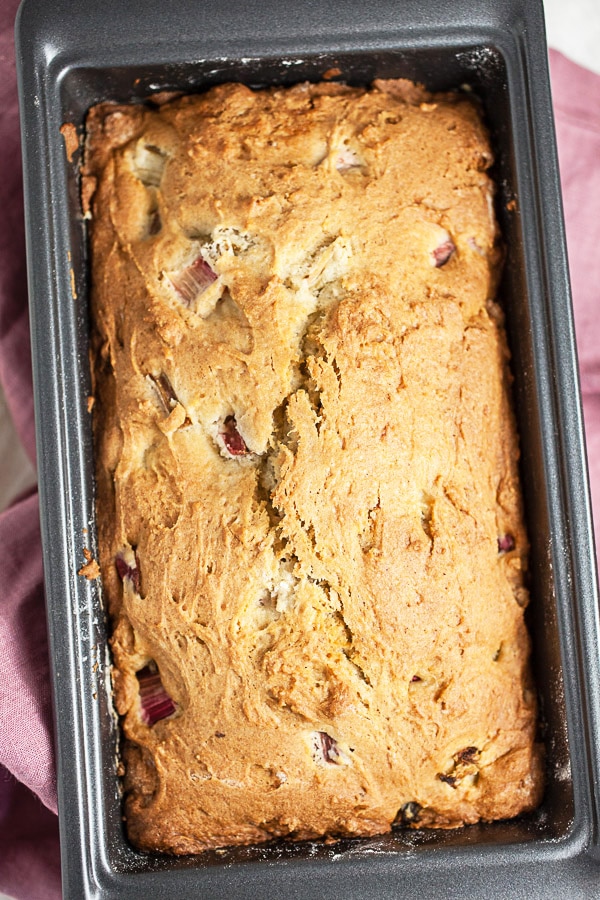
309, 517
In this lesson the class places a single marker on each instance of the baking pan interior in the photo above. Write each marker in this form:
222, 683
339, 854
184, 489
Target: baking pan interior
483, 70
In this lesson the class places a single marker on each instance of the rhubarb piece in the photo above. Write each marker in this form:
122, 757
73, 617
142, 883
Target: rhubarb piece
127, 566
416, 678
154, 700
232, 439
167, 395
148, 164
506, 543
191, 282
347, 159
327, 747
475, 246
442, 253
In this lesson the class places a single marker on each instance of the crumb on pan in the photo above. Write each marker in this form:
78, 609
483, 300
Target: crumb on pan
91, 569
69, 133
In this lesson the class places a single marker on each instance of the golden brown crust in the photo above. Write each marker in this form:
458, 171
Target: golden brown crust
335, 607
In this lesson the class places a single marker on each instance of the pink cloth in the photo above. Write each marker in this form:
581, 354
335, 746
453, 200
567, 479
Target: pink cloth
29, 853
576, 98
29, 847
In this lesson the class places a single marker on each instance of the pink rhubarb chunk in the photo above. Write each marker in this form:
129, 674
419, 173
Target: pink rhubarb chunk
346, 159
234, 442
155, 702
442, 253
126, 564
506, 543
192, 281
329, 747
167, 395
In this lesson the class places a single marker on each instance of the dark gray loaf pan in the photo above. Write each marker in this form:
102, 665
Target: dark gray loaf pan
72, 55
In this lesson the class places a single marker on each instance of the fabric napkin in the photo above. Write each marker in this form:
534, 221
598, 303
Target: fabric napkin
29, 848
576, 98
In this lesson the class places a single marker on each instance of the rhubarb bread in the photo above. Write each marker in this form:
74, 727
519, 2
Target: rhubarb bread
310, 524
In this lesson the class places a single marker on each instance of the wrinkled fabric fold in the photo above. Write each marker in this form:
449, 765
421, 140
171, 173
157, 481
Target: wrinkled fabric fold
15, 368
29, 843
29, 847
25, 702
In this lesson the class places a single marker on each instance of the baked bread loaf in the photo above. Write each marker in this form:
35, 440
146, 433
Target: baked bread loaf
309, 517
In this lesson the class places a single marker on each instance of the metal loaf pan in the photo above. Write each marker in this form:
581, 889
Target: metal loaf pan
72, 55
